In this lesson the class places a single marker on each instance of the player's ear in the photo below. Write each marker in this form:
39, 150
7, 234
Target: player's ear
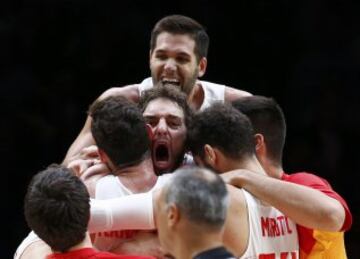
103, 156
202, 66
210, 155
150, 53
259, 143
173, 215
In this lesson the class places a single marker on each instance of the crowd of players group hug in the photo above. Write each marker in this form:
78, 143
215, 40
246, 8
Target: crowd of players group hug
177, 167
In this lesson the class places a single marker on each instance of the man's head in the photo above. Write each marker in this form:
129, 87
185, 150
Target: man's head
195, 199
220, 134
178, 50
166, 111
119, 130
269, 125
57, 208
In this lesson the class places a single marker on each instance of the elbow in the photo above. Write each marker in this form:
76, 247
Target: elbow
333, 218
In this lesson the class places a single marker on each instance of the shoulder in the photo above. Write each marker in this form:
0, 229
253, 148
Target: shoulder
130, 92
237, 198
308, 179
232, 94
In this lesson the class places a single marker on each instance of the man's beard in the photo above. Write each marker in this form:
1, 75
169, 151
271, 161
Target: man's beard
189, 86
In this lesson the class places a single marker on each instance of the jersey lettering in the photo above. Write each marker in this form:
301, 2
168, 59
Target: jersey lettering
274, 227
117, 234
283, 255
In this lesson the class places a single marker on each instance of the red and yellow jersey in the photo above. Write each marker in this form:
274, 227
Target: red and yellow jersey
316, 244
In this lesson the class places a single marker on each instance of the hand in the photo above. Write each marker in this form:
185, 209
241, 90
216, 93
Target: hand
87, 153
235, 177
79, 166
92, 174
97, 170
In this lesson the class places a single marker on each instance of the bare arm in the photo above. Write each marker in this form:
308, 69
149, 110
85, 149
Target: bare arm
85, 139
232, 94
306, 206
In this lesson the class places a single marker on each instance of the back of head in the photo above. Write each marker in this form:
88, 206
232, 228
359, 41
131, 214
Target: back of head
223, 127
57, 208
179, 24
169, 92
200, 195
119, 129
267, 119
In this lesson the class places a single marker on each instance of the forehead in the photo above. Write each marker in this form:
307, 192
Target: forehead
179, 43
163, 107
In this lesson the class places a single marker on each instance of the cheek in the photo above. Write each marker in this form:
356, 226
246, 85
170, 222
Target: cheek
179, 137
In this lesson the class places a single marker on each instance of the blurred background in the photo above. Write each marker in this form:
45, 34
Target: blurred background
57, 56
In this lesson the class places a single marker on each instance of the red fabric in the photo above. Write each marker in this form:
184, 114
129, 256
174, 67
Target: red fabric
306, 239
318, 183
90, 253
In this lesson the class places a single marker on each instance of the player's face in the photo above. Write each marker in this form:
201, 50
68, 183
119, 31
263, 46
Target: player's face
173, 61
166, 119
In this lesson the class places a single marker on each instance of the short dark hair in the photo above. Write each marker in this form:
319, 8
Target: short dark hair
180, 24
57, 207
223, 127
267, 119
171, 93
200, 194
119, 129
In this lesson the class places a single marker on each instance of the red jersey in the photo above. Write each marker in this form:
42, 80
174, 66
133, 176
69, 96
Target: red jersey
91, 253
314, 243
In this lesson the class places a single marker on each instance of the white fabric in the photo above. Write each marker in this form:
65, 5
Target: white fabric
114, 220
270, 232
110, 186
31, 238
128, 212
212, 92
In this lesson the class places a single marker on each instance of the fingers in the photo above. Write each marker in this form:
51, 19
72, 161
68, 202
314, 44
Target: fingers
79, 166
89, 152
96, 169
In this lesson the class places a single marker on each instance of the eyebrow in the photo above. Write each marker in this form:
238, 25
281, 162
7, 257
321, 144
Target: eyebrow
181, 53
170, 116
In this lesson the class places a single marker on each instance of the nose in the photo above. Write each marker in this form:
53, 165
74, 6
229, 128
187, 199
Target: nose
162, 127
170, 66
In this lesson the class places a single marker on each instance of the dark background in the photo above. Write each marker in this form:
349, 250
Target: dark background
56, 57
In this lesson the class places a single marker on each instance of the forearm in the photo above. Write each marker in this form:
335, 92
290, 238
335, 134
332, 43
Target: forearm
128, 212
304, 205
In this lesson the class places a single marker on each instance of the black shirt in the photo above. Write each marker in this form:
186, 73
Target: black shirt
215, 253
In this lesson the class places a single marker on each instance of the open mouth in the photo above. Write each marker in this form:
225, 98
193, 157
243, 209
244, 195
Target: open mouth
162, 153
161, 156
173, 82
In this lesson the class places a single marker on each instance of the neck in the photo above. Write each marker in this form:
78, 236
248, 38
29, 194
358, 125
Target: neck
272, 169
86, 243
250, 163
138, 178
196, 96
191, 245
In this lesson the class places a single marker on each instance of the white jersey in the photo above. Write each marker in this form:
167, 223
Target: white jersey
109, 187
212, 92
271, 233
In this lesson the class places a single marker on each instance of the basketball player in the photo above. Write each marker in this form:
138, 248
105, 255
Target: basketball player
178, 51
321, 227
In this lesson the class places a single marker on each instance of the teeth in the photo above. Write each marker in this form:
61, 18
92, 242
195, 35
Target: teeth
170, 81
